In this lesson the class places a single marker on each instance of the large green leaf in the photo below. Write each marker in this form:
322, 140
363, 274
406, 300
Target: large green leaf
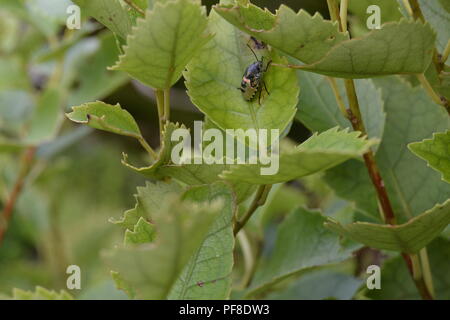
94, 80
100, 115
151, 269
159, 61
409, 237
397, 284
394, 49
214, 75
302, 243
436, 152
110, 13
412, 187
436, 15
318, 109
300, 35
46, 118
318, 153
208, 273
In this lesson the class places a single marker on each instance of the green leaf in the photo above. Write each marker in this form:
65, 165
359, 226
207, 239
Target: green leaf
109, 13
412, 187
214, 75
93, 78
208, 273
439, 18
300, 35
389, 10
143, 232
397, 284
318, 153
394, 49
302, 243
40, 293
409, 237
320, 284
152, 269
46, 119
162, 44
318, 109
100, 115
148, 200
436, 152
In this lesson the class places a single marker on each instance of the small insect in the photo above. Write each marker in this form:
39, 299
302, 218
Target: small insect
252, 80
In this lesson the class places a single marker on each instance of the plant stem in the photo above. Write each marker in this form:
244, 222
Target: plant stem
343, 14
446, 53
258, 201
334, 12
354, 114
25, 166
160, 105
441, 100
147, 147
339, 99
249, 259
166, 105
408, 7
135, 7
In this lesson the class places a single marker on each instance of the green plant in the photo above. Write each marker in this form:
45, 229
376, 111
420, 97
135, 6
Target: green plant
374, 102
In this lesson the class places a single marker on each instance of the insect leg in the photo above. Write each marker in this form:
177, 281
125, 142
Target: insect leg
256, 57
264, 83
268, 64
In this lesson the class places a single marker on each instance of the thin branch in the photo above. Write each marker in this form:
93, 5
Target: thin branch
160, 106
446, 53
258, 201
343, 14
25, 165
135, 7
333, 8
338, 96
166, 105
441, 100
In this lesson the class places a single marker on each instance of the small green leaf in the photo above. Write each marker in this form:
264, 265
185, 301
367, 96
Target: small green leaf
436, 152
40, 293
318, 153
157, 60
148, 200
46, 118
152, 269
215, 74
208, 273
302, 243
143, 232
109, 13
409, 237
100, 115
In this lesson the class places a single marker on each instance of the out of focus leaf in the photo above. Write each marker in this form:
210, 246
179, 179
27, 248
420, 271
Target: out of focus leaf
41, 294
46, 118
302, 243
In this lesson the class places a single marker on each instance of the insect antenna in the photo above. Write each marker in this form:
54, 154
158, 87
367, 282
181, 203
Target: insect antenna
256, 57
